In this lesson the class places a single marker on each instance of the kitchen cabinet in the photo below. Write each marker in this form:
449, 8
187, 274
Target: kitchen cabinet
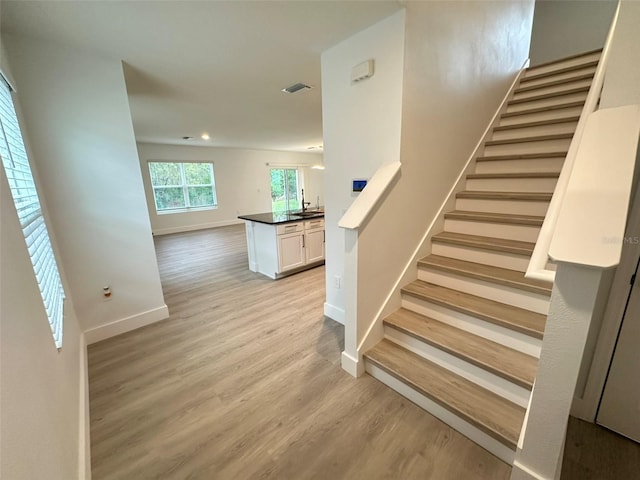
314, 240
291, 251
280, 249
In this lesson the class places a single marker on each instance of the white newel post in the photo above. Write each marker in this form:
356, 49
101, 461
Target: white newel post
575, 296
350, 361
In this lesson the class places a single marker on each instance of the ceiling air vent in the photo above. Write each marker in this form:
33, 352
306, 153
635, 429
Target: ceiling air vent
296, 88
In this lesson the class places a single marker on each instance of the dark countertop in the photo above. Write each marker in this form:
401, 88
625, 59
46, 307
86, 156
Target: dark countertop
274, 218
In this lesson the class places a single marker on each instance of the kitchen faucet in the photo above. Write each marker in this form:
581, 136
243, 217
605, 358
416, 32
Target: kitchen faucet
304, 204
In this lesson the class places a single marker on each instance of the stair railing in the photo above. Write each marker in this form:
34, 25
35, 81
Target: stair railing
537, 268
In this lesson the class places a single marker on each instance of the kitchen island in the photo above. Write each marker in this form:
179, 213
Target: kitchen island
283, 243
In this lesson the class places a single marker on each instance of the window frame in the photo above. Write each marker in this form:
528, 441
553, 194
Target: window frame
22, 185
185, 188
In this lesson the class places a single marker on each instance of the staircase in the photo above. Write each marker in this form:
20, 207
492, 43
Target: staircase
466, 341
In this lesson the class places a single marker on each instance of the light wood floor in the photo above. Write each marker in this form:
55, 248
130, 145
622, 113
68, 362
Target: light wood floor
243, 381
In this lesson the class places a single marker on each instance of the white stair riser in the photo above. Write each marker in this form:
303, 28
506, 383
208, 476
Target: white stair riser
531, 301
496, 333
525, 233
501, 451
546, 102
544, 146
542, 90
558, 76
494, 258
529, 165
539, 116
556, 128
519, 207
538, 185
478, 375
533, 70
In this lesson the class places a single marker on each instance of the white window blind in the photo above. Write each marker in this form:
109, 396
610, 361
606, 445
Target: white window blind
25, 197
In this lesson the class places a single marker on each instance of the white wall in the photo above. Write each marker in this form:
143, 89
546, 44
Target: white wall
39, 419
43, 416
567, 27
242, 183
622, 83
459, 60
77, 119
361, 129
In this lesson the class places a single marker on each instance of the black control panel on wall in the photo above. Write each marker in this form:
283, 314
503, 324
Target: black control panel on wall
358, 185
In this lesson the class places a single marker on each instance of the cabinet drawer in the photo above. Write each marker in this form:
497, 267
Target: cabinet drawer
314, 224
289, 228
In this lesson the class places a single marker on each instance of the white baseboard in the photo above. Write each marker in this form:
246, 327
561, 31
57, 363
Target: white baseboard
126, 324
351, 365
520, 472
198, 226
334, 313
489, 443
84, 431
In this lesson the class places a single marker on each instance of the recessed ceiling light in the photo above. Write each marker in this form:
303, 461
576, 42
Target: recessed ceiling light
205, 136
296, 87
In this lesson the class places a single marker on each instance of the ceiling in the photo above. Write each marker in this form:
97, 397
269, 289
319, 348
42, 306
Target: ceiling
209, 66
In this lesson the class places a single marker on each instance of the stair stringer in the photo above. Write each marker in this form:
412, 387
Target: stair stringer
375, 331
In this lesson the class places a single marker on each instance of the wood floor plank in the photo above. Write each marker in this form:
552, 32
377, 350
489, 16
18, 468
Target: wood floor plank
522, 156
535, 76
508, 218
487, 411
243, 381
514, 318
537, 138
498, 359
488, 273
488, 243
543, 96
520, 196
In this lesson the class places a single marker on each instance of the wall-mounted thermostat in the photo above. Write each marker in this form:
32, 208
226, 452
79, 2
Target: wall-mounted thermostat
358, 185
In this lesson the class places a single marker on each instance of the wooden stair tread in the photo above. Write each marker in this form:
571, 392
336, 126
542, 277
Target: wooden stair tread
536, 76
502, 361
521, 156
490, 413
495, 217
522, 196
544, 96
480, 176
516, 247
534, 138
553, 83
564, 59
488, 273
508, 316
557, 106
539, 123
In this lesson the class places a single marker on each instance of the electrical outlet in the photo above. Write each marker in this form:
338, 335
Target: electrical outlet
338, 282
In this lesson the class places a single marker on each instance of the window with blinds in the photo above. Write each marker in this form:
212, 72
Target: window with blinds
25, 197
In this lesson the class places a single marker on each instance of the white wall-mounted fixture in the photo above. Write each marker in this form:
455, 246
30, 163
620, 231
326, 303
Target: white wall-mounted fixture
296, 87
317, 167
362, 71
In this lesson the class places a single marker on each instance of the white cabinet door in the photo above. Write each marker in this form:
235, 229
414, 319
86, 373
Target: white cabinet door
314, 245
290, 251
